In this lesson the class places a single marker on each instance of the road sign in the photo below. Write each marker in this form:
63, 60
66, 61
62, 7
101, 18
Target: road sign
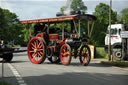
124, 34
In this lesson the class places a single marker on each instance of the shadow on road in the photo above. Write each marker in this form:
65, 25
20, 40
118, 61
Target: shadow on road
77, 64
91, 64
14, 61
18, 61
75, 78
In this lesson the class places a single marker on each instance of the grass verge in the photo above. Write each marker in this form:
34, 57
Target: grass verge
117, 63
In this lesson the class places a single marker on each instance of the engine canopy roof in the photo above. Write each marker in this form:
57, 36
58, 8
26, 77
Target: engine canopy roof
87, 17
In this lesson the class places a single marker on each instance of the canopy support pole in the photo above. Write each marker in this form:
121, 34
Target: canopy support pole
63, 31
79, 28
75, 26
48, 28
91, 29
88, 27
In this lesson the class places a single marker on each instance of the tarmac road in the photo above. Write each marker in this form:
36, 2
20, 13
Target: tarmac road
22, 72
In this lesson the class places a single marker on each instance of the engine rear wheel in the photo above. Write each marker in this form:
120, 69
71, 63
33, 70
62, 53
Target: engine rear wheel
37, 50
65, 54
85, 55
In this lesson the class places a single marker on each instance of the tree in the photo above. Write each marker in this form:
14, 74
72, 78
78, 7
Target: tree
75, 5
78, 5
3, 24
124, 15
100, 28
10, 28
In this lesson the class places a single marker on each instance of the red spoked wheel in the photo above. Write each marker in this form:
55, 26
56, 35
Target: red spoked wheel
37, 50
65, 54
85, 55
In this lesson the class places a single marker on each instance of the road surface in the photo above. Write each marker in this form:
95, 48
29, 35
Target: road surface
22, 72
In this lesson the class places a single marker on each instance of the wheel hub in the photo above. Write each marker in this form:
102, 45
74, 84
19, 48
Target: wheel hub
35, 50
84, 55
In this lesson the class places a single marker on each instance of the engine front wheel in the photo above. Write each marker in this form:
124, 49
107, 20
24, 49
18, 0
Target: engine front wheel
37, 50
65, 54
85, 55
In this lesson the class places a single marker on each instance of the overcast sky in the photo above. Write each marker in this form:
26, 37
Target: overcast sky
35, 9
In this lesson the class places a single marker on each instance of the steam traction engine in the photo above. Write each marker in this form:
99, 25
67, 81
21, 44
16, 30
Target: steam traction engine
54, 42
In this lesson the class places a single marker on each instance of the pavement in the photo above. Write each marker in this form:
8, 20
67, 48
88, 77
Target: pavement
22, 72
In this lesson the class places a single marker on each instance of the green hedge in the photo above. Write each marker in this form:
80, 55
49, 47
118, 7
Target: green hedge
100, 52
5, 83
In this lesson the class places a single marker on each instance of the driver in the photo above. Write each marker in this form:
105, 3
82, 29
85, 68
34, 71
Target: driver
40, 28
2, 44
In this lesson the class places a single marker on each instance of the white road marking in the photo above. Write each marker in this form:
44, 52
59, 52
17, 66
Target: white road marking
17, 75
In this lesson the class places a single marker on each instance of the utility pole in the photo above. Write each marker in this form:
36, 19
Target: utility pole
3, 72
109, 46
